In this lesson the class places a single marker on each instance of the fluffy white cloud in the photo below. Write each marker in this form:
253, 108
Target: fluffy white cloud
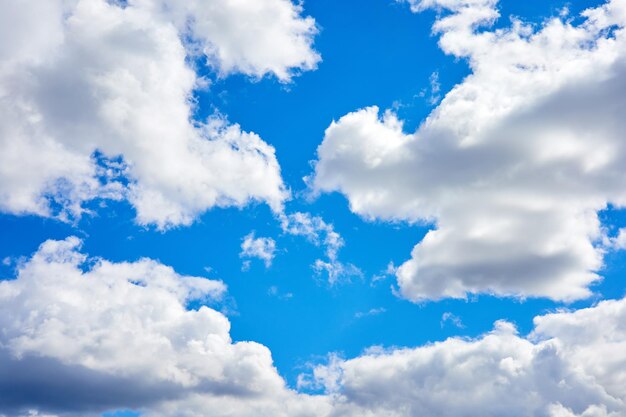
572, 365
84, 76
594, 339
511, 167
254, 38
85, 335
258, 247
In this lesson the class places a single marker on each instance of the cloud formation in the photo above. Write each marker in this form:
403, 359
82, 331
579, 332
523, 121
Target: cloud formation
571, 365
511, 169
96, 101
82, 335
513, 165
73, 328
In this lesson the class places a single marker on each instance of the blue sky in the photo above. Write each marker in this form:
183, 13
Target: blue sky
372, 53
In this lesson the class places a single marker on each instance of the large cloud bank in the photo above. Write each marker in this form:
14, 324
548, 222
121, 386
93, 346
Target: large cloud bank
513, 165
96, 101
83, 335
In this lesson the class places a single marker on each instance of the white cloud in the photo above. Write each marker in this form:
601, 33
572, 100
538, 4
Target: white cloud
317, 231
510, 168
324, 377
314, 228
83, 335
257, 39
86, 335
81, 76
258, 247
572, 365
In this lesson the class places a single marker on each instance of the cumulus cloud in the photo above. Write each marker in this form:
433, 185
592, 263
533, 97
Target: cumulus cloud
87, 82
257, 39
513, 165
262, 248
499, 374
592, 338
82, 335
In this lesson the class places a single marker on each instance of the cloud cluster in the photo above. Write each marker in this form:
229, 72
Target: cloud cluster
513, 165
510, 168
83, 335
90, 84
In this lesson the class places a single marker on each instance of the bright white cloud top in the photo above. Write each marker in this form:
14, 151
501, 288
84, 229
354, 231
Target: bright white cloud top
82, 76
513, 165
